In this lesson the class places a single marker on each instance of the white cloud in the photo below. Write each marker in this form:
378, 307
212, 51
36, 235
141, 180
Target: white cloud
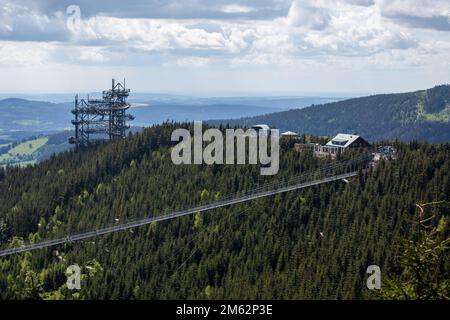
149, 35
18, 22
236, 8
89, 54
359, 32
13, 54
303, 14
419, 8
364, 3
192, 62
423, 14
334, 3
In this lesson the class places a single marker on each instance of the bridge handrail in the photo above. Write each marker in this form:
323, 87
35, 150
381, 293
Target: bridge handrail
297, 182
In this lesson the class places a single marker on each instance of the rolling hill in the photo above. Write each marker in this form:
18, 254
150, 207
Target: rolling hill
21, 118
419, 115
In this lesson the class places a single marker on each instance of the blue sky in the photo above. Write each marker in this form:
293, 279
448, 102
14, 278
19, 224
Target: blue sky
220, 47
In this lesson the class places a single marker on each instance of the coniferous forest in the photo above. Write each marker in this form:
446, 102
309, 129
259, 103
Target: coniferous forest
314, 243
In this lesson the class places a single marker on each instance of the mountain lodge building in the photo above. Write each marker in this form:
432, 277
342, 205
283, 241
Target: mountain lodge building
335, 146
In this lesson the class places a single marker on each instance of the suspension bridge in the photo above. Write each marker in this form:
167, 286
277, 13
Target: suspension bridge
333, 172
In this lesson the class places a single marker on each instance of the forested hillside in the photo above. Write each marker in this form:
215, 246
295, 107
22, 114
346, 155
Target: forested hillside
420, 115
313, 243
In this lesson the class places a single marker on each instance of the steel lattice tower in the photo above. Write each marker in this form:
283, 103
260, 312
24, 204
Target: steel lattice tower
104, 118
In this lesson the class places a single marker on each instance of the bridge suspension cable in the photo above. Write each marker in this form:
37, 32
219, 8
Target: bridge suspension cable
329, 173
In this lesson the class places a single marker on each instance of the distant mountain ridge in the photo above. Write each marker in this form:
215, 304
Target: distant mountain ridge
21, 118
419, 115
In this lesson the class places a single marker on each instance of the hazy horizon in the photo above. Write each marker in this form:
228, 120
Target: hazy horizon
224, 94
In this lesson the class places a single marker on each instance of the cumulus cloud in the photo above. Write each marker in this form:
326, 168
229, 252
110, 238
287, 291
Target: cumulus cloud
22, 23
148, 35
236, 8
425, 14
23, 53
348, 32
302, 14
364, 3
192, 62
